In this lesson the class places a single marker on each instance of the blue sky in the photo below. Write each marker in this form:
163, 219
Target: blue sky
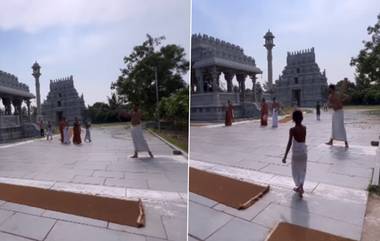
84, 38
335, 28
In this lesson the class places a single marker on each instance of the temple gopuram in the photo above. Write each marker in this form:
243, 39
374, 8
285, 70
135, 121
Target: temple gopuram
15, 121
301, 83
210, 58
63, 101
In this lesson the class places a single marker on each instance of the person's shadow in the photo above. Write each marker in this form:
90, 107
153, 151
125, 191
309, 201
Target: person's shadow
299, 214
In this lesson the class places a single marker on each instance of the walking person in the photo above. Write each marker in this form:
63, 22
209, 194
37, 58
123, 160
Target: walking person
325, 107
42, 127
76, 132
338, 129
139, 141
318, 111
275, 110
49, 132
297, 138
62, 124
264, 113
229, 114
87, 136
66, 133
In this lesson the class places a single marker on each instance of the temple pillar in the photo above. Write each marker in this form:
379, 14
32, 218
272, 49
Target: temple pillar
28, 106
17, 106
7, 106
241, 79
254, 78
214, 76
228, 76
199, 78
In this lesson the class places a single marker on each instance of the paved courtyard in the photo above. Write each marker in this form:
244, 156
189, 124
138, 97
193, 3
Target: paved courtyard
101, 167
336, 179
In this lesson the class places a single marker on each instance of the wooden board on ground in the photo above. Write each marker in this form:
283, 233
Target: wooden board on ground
120, 211
228, 191
285, 119
292, 232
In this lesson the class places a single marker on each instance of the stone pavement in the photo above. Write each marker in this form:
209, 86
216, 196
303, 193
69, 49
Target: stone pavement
336, 179
102, 166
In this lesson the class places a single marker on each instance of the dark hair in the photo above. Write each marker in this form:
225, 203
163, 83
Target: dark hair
332, 87
297, 116
274, 98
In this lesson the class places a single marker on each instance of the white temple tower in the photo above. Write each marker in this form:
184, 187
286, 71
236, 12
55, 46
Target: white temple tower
269, 45
36, 74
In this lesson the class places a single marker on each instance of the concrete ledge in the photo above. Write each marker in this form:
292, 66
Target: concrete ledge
376, 170
376, 176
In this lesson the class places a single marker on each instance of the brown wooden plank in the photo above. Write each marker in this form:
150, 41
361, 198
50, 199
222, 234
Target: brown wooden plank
120, 211
291, 232
231, 192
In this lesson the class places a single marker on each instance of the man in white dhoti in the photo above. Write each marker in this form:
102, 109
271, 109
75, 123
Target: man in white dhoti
139, 141
87, 137
66, 133
338, 130
297, 138
275, 110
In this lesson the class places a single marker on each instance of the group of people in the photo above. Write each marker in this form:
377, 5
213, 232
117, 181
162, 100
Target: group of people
297, 134
65, 132
139, 142
229, 117
265, 112
49, 129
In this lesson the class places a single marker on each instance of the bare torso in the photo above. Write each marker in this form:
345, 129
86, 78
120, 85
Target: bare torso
299, 133
275, 106
335, 102
136, 118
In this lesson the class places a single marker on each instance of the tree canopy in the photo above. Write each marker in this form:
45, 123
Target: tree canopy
366, 89
367, 63
136, 82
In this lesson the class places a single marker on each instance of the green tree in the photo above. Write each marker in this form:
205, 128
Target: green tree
136, 82
176, 107
367, 63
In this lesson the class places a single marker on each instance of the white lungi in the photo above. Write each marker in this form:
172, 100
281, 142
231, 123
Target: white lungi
299, 158
49, 132
139, 141
66, 135
338, 130
88, 135
275, 118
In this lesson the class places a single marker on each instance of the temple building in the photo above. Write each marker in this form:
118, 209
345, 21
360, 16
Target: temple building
301, 82
15, 121
210, 58
63, 101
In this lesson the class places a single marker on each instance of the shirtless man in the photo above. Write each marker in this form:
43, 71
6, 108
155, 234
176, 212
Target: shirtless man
139, 141
338, 130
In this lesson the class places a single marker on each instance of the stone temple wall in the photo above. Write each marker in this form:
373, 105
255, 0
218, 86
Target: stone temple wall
11, 81
204, 46
63, 101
